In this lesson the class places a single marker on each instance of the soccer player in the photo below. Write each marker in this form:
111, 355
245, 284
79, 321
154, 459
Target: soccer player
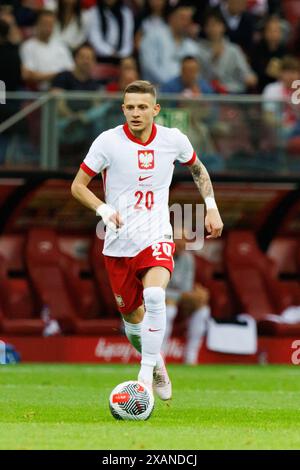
137, 161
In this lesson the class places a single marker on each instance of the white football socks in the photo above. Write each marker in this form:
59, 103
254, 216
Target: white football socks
153, 330
133, 332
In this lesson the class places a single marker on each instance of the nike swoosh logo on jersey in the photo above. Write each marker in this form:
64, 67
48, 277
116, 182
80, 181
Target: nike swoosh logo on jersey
142, 178
150, 329
161, 259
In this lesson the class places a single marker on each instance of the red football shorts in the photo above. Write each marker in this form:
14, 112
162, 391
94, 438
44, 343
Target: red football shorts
125, 273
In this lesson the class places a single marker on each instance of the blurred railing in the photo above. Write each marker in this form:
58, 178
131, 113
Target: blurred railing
233, 135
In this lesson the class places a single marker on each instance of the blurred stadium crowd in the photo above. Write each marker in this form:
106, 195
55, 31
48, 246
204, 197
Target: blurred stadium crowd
206, 48
229, 46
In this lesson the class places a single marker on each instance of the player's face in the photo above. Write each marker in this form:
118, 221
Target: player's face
140, 110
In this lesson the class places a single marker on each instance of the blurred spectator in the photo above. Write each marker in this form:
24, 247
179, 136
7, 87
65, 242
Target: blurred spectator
224, 63
163, 48
189, 82
284, 115
240, 23
267, 54
10, 74
153, 16
191, 299
43, 56
128, 73
258, 7
111, 30
71, 24
80, 78
7, 14
78, 117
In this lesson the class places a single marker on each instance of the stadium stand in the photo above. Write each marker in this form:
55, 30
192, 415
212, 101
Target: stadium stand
104, 289
284, 251
221, 299
253, 277
56, 275
42, 256
17, 305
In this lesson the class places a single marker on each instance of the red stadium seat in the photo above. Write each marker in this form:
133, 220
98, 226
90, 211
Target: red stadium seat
12, 250
90, 309
253, 278
100, 327
18, 313
104, 290
56, 277
221, 299
284, 251
81, 289
47, 278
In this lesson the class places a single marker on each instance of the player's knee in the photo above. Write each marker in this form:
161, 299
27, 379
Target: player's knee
154, 297
136, 316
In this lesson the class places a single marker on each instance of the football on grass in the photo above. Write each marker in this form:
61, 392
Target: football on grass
131, 400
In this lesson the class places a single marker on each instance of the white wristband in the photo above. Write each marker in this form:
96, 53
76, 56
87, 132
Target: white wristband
210, 202
105, 211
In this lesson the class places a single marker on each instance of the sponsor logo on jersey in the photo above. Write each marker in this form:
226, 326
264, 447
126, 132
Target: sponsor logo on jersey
146, 159
119, 300
142, 178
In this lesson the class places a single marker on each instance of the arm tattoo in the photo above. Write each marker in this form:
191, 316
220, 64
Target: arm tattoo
202, 179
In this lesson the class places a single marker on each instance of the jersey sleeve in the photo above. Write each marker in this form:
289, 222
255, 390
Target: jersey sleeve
96, 159
186, 154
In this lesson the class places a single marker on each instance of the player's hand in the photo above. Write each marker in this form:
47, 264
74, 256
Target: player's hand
110, 217
213, 223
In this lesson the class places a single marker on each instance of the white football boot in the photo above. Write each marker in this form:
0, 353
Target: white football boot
162, 383
148, 384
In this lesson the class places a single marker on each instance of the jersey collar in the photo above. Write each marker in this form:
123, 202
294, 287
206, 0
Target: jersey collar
138, 141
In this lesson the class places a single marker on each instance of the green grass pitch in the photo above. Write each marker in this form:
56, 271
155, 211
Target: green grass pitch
213, 407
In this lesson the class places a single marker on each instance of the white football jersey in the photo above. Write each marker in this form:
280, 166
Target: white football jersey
136, 178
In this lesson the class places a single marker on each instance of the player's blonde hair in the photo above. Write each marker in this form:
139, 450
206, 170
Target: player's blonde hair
141, 86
